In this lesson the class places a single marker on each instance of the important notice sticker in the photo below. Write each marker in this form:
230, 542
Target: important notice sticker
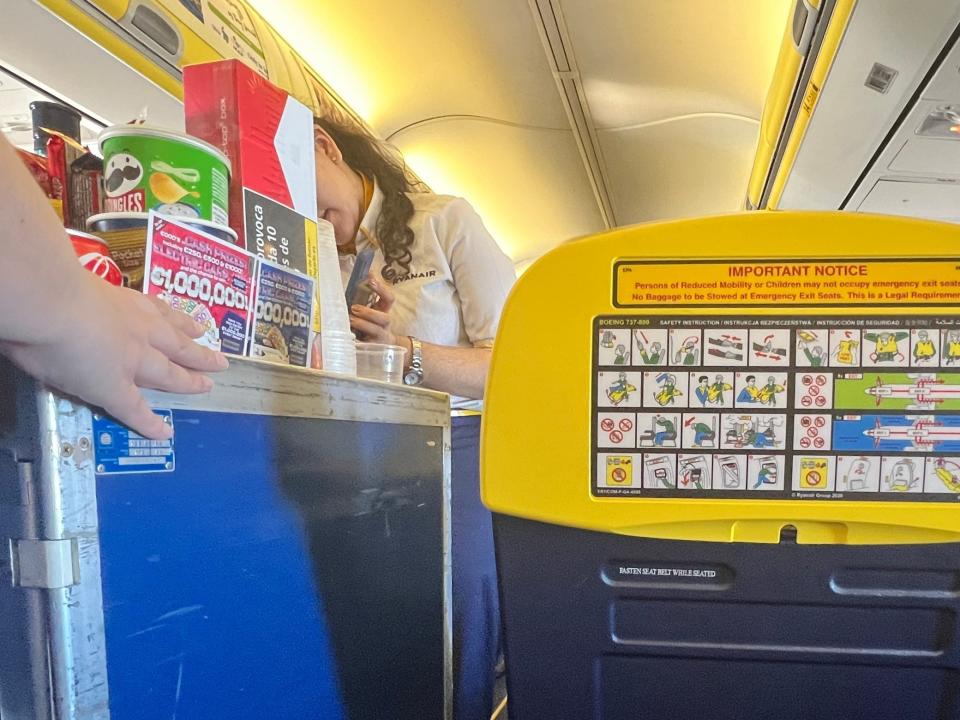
758, 283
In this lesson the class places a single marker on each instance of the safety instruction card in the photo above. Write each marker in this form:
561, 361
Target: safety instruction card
777, 403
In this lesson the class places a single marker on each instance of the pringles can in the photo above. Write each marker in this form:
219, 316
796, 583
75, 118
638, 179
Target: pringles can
175, 174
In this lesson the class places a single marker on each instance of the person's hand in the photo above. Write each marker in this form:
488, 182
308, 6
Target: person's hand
113, 341
372, 324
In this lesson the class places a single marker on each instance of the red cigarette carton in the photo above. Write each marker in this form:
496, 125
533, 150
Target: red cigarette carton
268, 136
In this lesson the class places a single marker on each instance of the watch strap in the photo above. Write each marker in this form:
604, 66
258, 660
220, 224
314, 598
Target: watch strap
414, 376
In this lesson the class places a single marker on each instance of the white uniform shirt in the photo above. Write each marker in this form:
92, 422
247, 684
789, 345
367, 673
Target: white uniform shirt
459, 277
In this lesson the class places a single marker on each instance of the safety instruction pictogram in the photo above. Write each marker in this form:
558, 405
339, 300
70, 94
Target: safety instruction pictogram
824, 408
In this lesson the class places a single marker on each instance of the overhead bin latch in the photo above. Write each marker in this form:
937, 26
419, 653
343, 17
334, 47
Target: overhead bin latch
805, 16
147, 21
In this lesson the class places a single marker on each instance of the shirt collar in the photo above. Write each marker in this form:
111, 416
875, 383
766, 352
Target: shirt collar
368, 225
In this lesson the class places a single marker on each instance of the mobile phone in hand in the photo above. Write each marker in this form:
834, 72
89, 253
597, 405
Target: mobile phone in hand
358, 290
365, 295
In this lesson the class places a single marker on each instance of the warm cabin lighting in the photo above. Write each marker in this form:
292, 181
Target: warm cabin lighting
332, 55
349, 67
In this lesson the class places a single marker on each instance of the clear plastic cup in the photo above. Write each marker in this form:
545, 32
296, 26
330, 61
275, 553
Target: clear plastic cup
339, 353
380, 362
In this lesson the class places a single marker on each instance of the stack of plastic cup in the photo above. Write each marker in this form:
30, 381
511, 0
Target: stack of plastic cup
337, 341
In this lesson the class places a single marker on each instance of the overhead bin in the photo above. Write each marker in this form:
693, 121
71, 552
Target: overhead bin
159, 37
874, 71
797, 38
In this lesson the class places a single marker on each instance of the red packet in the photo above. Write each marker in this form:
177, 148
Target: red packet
210, 280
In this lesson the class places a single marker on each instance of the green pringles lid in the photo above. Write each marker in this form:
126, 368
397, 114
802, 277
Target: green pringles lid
154, 169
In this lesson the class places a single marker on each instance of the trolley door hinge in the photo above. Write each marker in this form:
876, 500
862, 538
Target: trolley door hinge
45, 563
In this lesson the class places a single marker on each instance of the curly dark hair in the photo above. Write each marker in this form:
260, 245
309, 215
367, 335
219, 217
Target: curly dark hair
371, 158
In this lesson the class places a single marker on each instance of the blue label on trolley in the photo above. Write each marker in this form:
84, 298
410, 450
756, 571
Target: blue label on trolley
119, 450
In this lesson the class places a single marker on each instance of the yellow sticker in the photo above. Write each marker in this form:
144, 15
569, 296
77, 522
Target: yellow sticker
313, 267
813, 473
810, 97
759, 283
619, 470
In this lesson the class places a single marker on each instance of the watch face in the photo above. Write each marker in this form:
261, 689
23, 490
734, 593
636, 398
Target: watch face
411, 378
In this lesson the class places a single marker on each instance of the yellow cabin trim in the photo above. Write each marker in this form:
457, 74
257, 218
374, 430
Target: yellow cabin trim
828, 51
775, 108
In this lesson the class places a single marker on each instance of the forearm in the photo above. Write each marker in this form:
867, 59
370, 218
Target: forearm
455, 370
40, 278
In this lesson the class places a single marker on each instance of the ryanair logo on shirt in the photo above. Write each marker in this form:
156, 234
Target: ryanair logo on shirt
415, 276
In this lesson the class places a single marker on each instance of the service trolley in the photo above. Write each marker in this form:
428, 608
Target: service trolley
286, 556
728, 486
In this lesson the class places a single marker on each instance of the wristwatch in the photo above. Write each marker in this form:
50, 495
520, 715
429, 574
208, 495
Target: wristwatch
414, 375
